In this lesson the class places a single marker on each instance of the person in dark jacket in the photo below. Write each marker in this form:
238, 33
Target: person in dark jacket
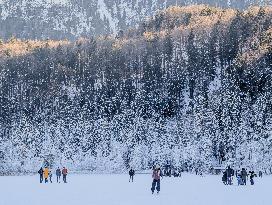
224, 178
50, 176
260, 174
251, 177
244, 176
156, 175
131, 174
58, 173
41, 174
230, 174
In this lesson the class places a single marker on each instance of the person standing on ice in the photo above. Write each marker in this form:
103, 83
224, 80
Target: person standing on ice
244, 176
50, 176
64, 174
131, 174
46, 174
224, 178
41, 174
230, 174
196, 171
252, 175
156, 179
239, 179
260, 174
58, 173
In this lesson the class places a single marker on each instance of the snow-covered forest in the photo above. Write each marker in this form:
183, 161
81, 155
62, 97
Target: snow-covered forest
191, 85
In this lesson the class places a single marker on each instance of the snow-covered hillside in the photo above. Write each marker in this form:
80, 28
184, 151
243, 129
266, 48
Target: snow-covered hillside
60, 19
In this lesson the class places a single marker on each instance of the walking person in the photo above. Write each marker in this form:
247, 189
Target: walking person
131, 174
230, 174
58, 173
239, 179
260, 174
251, 177
64, 174
156, 180
41, 174
46, 174
244, 176
224, 178
50, 176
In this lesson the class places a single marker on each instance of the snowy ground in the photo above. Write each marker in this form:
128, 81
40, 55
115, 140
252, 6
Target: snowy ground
116, 190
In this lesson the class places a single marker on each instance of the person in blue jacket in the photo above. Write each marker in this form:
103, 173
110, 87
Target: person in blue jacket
58, 173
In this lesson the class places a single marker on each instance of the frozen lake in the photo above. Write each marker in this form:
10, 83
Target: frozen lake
116, 190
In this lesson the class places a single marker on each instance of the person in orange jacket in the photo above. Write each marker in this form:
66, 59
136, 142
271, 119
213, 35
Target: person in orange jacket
46, 174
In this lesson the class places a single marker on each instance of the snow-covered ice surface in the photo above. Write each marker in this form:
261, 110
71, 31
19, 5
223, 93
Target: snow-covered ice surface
116, 190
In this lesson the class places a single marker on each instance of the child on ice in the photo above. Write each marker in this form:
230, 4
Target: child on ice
239, 179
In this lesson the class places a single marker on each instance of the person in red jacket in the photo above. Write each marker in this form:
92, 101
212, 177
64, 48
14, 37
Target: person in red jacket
156, 175
64, 174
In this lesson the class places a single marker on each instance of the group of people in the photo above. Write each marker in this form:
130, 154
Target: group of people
241, 175
172, 172
46, 175
228, 175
